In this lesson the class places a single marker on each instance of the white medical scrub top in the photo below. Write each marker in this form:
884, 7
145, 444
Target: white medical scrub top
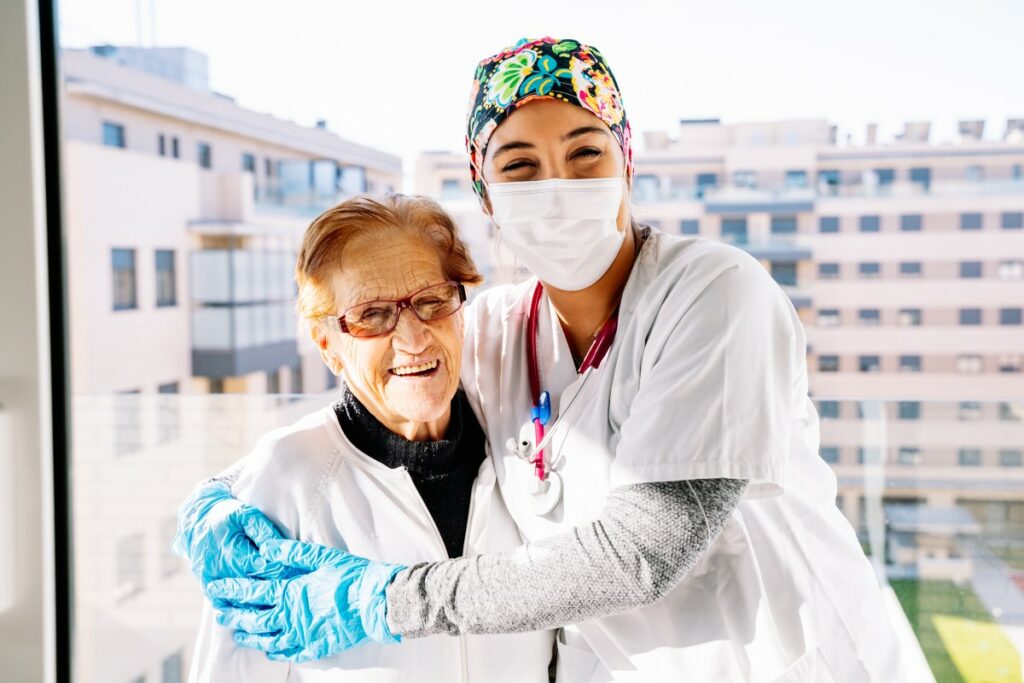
707, 378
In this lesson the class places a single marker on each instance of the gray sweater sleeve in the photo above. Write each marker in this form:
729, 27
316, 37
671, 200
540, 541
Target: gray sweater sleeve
649, 536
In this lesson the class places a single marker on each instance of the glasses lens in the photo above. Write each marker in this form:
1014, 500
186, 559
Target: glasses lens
368, 320
437, 302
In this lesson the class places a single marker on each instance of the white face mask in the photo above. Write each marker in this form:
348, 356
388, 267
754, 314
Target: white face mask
565, 231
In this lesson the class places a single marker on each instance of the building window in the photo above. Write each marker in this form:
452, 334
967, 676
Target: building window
828, 271
161, 145
970, 316
869, 223
910, 317
646, 187
970, 269
869, 269
1012, 220
1009, 316
869, 316
871, 455
130, 566
168, 412
113, 134
175, 148
1011, 458
205, 155
166, 281
970, 221
451, 188
910, 363
705, 182
885, 176
1017, 171
1009, 363
123, 267
171, 669
828, 181
910, 222
828, 317
248, 162
689, 226
908, 456
922, 177
910, 269
268, 167
783, 225
828, 224
969, 411
1010, 411
784, 272
274, 381
969, 363
908, 410
734, 230
1011, 270
796, 178
828, 363
828, 410
744, 178
969, 457
829, 454
869, 363
974, 173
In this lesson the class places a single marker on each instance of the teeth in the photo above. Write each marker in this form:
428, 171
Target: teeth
412, 369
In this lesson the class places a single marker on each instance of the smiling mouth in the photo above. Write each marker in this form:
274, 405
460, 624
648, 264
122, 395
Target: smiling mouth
422, 370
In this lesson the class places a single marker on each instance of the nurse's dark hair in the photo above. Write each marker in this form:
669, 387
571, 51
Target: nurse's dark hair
323, 247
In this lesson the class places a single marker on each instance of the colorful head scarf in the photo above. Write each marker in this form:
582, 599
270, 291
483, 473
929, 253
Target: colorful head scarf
546, 68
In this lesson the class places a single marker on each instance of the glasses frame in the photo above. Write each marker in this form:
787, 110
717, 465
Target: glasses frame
403, 303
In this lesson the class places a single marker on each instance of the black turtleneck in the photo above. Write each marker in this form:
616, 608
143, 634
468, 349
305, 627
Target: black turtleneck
443, 471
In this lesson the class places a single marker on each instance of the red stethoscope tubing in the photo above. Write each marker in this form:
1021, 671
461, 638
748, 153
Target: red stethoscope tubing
595, 354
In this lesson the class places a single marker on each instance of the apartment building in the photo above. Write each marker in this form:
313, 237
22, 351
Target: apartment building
905, 261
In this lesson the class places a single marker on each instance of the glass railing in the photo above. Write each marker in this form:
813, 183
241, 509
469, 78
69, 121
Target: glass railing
934, 490
743, 194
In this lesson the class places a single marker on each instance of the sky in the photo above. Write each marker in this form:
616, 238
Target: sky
396, 75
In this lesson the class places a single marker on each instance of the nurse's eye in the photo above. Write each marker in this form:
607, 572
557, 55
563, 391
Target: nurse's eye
516, 166
587, 152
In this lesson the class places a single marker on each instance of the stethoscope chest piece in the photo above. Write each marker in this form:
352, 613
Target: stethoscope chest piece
545, 495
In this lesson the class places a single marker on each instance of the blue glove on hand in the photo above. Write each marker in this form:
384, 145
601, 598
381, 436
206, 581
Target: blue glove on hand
220, 536
339, 604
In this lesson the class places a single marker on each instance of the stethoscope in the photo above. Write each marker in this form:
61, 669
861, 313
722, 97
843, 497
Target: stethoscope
546, 485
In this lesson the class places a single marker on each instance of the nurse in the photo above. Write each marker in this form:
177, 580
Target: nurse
645, 402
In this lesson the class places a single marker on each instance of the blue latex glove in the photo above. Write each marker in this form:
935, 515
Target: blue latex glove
339, 604
220, 536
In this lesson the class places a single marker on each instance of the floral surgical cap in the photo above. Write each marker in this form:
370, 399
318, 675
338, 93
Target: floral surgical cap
546, 68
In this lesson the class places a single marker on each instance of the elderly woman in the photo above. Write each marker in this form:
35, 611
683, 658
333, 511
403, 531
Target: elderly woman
396, 468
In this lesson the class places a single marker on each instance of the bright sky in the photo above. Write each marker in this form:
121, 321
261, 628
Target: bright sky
396, 75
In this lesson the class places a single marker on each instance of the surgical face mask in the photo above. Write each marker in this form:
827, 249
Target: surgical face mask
565, 231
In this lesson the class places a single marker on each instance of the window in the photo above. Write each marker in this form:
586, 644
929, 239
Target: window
969, 457
113, 134
970, 221
828, 363
974, 173
970, 316
1011, 458
205, 155
170, 670
130, 559
783, 225
969, 411
869, 316
450, 188
910, 363
1009, 362
1012, 220
744, 178
922, 177
910, 222
908, 456
910, 269
828, 271
784, 272
869, 363
689, 226
175, 148
828, 224
248, 162
168, 412
828, 181
885, 176
166, 282
969, 363
828, 409
1011, 270
829, 454
970, 269
796, 178
910, 317
646, 187
161, 145
1017, 171
123, 267
828, 317
268, 167
908, 410
1009, 316
872, 455
734, 230
1010, 411
705, 182
869, 269
869, 223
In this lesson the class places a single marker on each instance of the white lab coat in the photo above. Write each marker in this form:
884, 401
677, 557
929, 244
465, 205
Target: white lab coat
707, 378
317, 487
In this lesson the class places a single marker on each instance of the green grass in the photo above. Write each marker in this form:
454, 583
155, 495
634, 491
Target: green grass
924, 600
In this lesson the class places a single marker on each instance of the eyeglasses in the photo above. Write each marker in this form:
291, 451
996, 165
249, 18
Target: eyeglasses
374, 318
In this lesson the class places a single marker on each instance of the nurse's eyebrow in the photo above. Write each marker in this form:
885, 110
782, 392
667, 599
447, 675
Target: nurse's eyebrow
583, 130
510, 146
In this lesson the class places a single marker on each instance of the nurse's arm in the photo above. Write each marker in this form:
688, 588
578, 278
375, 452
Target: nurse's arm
648, 538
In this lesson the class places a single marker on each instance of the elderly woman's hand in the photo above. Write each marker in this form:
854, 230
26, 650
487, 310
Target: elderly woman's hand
339, 604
